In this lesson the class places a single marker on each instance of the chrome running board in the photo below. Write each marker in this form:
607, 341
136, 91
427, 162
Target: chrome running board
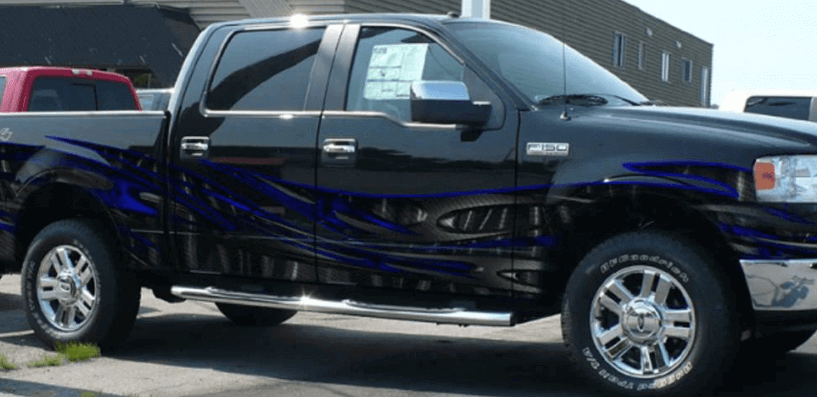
307, 304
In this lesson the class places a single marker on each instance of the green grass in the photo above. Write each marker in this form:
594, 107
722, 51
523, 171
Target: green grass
71, 351
5, 364
46, 361
74, 351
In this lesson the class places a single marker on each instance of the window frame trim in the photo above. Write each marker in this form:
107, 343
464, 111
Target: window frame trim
666, 60
283, 114
642, 55
705, 84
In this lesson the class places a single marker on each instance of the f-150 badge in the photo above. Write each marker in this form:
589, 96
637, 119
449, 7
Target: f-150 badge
548, 149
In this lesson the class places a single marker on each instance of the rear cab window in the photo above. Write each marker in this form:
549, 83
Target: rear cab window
798, 108
51, 94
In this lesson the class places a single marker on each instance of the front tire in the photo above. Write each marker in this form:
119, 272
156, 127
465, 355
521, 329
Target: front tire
252, 316
74, 287
647, 313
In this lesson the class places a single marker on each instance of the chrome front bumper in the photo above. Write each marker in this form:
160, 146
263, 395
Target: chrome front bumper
782, 285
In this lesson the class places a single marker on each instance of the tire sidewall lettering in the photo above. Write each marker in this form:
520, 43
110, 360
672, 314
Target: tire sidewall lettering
655, 260
611, 375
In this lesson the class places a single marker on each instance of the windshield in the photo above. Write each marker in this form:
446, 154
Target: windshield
532, 62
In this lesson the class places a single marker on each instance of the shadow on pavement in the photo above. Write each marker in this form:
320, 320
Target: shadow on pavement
330, 355
10, 301
789, 375
421, 363
23, 388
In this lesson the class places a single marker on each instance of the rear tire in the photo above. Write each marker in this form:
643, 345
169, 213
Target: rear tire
253, 316
75, 288
647, 313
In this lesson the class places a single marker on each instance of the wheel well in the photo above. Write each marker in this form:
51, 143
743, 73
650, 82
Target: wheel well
603, 220
53, 203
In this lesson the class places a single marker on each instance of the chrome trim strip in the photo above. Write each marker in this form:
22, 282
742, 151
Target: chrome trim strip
87, 113
305, 303
781, 285
342, 113
282, 114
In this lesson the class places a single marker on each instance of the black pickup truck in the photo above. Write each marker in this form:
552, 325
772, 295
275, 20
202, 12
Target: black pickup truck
426, 168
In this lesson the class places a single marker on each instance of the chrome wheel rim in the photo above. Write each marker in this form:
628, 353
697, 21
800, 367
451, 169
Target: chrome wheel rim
643, 322
67, 288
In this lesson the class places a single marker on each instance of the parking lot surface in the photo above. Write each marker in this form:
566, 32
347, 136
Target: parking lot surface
189, 349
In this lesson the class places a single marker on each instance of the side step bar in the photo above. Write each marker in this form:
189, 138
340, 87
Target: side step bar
305, 303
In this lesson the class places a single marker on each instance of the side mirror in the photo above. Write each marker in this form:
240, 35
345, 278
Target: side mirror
446, 102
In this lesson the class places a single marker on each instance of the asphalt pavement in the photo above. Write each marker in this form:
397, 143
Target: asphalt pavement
189, 349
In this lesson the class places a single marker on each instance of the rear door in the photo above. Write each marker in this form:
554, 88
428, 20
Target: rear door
405, 205
244, 153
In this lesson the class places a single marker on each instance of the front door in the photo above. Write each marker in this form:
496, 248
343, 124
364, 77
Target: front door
405, 205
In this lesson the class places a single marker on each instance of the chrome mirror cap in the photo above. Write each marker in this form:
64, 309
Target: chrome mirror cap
439, 90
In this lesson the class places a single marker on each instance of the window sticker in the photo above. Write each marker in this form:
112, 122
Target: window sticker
392, 68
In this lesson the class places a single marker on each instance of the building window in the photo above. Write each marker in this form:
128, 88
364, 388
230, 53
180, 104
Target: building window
619, 49
705, 86
686, 70
642, 55
665, 58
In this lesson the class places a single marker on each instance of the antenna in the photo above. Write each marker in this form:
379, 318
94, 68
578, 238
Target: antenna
565, 116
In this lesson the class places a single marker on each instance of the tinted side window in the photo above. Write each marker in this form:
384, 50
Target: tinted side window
386, 61
2, 88
266, 70
790, 107
114, 96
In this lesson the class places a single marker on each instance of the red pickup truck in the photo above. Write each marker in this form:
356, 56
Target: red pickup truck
46, 88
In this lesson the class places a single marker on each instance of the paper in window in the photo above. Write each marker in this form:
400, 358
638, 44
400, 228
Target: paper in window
392, 69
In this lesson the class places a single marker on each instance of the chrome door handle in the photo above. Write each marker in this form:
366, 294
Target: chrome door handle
194, 147
339, 152
338, 149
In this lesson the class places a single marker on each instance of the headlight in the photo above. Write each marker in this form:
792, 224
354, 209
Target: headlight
786, 179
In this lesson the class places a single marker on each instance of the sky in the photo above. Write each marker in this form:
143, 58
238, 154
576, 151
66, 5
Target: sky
757, 44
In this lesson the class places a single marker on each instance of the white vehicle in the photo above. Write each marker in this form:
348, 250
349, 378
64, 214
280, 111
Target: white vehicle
793, 104
154, 99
